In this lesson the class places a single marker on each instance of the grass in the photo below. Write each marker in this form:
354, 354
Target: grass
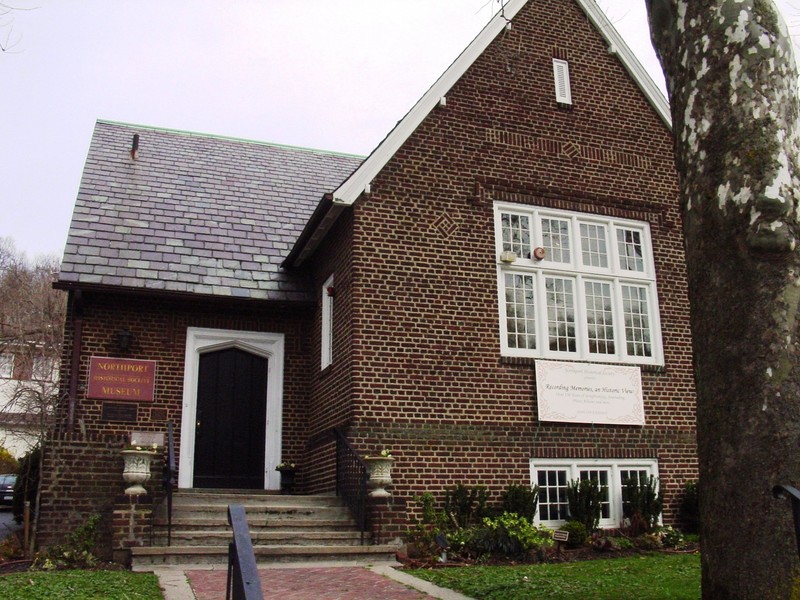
80, 585
648, 577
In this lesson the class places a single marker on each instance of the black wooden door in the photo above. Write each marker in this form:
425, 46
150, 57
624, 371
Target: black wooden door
230, 429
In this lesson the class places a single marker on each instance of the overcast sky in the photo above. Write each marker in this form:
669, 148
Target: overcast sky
329, 74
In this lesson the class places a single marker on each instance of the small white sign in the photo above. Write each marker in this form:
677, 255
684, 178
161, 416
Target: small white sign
589, 393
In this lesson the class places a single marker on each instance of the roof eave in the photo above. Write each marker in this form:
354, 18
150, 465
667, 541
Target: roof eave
616, 45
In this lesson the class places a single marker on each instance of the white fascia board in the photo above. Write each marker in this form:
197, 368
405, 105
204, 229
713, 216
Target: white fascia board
347, 193
628, 59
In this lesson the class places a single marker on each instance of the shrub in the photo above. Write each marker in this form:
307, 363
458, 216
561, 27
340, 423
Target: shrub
671, 538
584, 499
77, 552
690, 507
428, 534
510, 535
521, 500
465, 506
578, 534
27, 486
642, 501
8, 464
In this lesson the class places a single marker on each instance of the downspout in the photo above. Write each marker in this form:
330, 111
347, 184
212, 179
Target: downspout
77, 338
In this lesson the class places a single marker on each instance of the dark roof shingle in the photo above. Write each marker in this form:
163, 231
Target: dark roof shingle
194, 213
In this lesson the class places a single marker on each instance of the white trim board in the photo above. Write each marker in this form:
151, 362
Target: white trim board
268, 345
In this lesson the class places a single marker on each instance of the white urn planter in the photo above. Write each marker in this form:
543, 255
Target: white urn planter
136, 470
380, 475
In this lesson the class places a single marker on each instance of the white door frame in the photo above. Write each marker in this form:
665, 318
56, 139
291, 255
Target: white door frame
267, 345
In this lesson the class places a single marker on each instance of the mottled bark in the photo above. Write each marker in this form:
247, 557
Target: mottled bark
732, 82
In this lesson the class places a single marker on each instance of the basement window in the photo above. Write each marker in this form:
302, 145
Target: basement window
561, 76
552, 476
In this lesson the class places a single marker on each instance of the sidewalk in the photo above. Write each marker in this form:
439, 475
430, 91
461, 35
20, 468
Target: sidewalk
324, 581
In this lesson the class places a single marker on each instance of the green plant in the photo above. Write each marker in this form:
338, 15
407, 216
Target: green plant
8, 464
465, 505
429, 533
670, 537
578, 534
77, 552
27, 486
520, 499
510, 535
690, 507
585, 499
642, 499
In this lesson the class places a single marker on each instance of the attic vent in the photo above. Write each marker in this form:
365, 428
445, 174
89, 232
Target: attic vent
561, 75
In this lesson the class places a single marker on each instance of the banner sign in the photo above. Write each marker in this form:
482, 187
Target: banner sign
121, 379
589, 393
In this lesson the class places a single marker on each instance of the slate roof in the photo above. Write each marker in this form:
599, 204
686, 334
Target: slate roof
194, 213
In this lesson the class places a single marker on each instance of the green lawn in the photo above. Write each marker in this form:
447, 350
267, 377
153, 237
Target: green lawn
647, 577
80, 585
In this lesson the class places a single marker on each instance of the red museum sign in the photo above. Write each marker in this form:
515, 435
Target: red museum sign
121, 379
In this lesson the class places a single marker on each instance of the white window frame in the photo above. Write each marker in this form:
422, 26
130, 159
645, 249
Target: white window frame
6, 366
573, 467
539, 272
326, 337
561, 79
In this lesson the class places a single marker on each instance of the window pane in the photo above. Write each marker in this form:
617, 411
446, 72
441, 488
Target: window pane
555, 239
516, 234
600, 477
520, 315
631, 477
599, 318
552, 494
6, 365
560, 314
629, 243
637, 320
593, 245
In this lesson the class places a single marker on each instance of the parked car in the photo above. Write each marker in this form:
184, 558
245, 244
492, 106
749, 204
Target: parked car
7, 489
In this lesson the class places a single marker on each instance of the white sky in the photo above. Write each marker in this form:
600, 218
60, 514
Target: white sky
329, 74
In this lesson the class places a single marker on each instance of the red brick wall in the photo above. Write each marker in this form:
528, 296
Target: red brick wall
159, 332
428, 379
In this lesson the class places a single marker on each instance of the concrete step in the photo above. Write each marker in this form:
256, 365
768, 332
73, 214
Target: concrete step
265, 538
258, 512
213, 555
282, 529
256, 523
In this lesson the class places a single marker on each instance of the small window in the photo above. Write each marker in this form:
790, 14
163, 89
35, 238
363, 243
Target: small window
328, 293
6, 366
561, 75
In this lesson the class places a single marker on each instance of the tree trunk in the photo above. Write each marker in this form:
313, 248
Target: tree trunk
732, 81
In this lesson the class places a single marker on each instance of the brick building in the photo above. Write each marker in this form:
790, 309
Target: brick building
497, 293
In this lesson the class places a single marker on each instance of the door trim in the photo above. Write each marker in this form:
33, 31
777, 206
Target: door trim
268, 345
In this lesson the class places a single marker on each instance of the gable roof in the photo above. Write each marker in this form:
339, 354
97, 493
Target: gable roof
356, 184
194, 213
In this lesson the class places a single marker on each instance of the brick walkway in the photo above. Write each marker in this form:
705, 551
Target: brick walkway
323, 583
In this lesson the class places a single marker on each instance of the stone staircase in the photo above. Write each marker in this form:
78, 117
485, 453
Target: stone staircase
282, 528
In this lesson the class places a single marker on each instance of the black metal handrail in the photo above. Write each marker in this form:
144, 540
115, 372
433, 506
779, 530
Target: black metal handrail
787, 491
168, 478
243, 580
351, 480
